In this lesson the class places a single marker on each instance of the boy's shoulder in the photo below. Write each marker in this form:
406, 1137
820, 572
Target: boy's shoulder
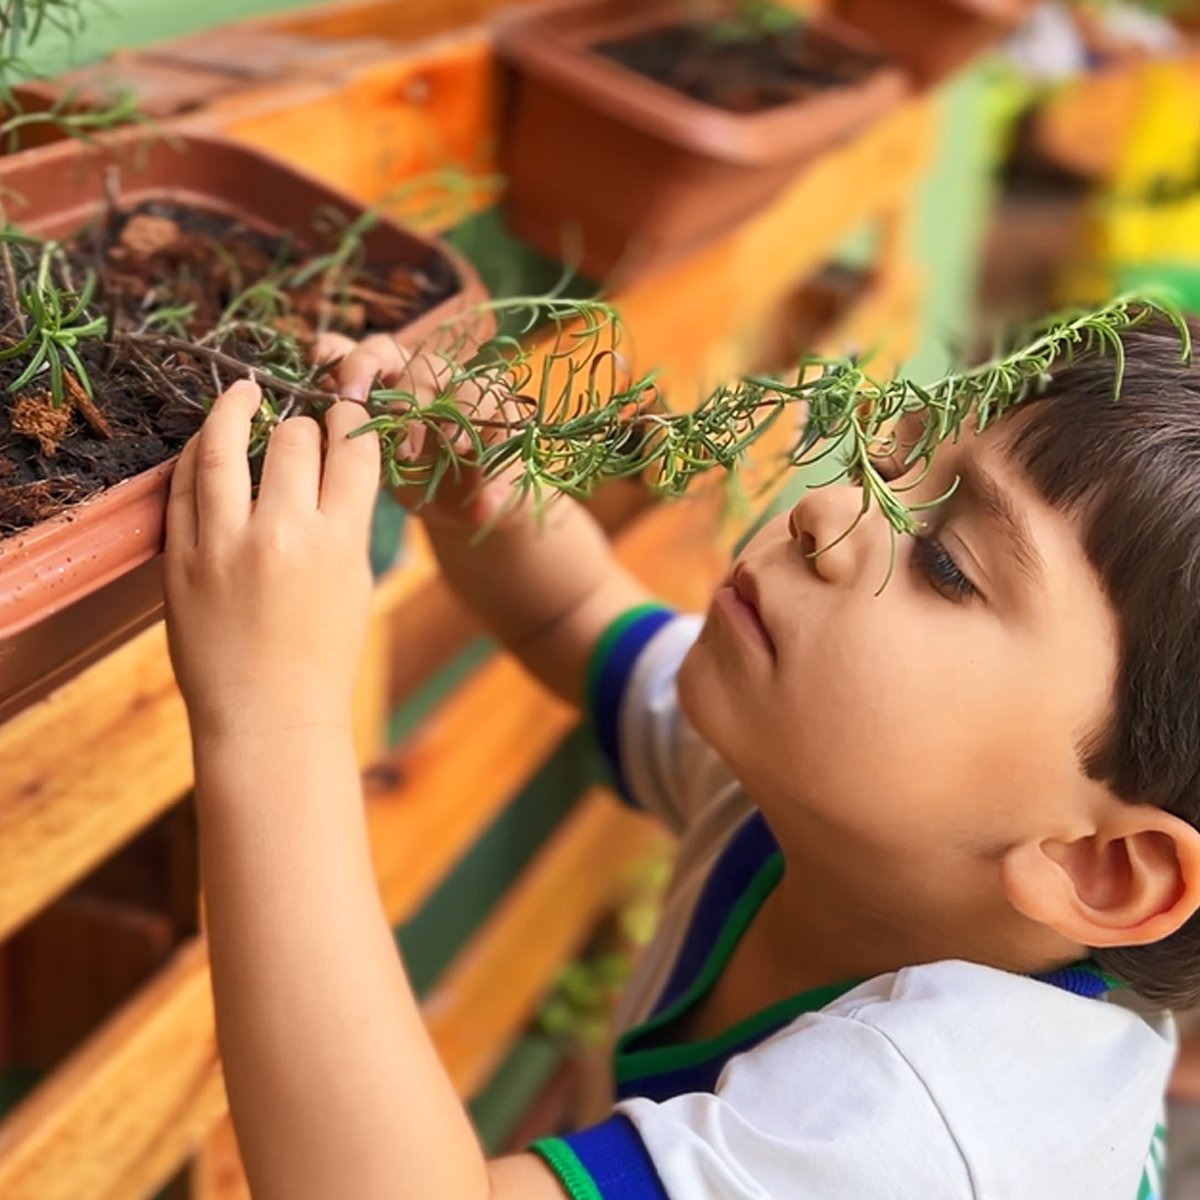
961, 1079
1021, 1070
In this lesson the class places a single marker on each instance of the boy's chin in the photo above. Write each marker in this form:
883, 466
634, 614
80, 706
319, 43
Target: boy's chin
705, 698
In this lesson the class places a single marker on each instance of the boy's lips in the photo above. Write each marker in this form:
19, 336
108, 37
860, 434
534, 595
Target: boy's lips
739, 599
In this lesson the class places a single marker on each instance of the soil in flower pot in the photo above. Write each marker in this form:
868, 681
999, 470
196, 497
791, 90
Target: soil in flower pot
648, 134
145, 392
199, 251
744, 75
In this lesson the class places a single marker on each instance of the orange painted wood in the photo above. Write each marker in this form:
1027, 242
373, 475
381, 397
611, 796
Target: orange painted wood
421, 115
402, 20
491, 992
699, 320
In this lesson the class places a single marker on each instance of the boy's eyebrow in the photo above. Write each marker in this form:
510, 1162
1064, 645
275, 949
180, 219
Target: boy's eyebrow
998, 505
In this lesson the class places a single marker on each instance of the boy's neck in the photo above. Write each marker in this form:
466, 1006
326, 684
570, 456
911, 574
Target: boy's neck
831, 920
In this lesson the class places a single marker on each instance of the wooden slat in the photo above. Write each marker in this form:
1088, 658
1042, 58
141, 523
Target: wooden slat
117, 1120
217, 1173
61, 814
374, 694
404, 20
146, 1093
129, 758
382, 125
493, 988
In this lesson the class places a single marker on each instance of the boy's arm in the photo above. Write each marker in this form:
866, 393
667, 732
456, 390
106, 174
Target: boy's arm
547, 587
335, 1087
547, 590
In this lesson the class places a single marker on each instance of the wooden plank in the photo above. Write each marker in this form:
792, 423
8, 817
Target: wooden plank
146, 1093
134, 1103
492, 990
379, 127
129, 758
374, 697
217, 1173
698, 320
402, 20
61, 814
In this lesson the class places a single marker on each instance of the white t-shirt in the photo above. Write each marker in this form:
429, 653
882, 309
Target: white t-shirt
949, 1080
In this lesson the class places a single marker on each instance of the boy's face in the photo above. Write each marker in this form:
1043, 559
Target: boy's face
938, 719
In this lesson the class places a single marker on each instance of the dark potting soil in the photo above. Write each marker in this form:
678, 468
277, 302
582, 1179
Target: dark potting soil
149, 399
743, 76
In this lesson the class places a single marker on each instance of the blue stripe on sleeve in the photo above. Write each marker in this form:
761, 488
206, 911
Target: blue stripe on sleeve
617, 1160
617, 654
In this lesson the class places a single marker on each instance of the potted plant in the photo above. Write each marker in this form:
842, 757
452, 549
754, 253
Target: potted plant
933, 38
144, 276
652, 127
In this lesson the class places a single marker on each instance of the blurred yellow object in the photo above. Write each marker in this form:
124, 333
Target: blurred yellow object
1149, 214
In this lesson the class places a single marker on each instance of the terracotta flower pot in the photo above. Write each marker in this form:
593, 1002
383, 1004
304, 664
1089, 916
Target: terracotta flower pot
642, 171
934, 38
47, 571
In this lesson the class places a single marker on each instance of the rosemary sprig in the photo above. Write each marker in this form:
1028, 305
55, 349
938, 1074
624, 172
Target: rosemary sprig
58, 320
582, 422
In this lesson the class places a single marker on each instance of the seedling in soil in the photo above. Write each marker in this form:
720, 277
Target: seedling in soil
113, 343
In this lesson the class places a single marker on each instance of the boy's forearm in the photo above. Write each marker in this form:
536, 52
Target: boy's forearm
547, 589
335, 1086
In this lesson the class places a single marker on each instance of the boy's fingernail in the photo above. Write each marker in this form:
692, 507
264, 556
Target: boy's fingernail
354, 391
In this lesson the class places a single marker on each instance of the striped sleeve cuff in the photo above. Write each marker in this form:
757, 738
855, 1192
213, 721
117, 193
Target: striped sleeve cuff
612, 663
607, 1162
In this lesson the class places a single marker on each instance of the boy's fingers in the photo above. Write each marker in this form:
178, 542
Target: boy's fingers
351, 466
332, 345
222, 470
375, 358
181, 505
291, 477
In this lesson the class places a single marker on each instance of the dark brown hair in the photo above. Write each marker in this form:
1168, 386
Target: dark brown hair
1129, 471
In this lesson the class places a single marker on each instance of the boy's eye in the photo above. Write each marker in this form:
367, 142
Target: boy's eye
934, 562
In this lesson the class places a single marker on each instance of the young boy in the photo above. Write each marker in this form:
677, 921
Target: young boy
939, 862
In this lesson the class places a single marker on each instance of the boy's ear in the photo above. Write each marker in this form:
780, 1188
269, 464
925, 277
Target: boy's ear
1133, 880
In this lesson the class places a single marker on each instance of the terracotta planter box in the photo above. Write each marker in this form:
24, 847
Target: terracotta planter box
934, 38
46, 571
642, 171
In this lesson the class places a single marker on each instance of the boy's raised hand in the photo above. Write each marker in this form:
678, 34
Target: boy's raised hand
267, 602
463, 498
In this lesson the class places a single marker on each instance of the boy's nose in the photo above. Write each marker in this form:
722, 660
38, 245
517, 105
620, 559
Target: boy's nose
832, 529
